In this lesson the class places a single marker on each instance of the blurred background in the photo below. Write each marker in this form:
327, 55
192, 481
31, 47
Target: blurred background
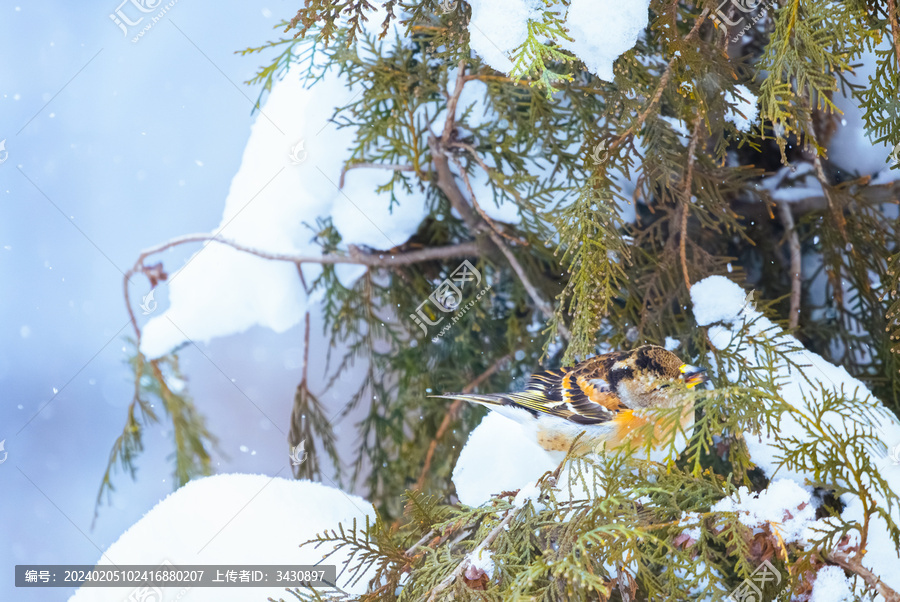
113, 146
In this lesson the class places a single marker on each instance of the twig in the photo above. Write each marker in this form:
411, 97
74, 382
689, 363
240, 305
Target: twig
451, 415
452, 101
375, 259
389, 166
425, 538
460, 569
480, 211
483, 165
784, 211
686, 201
448, 186
538, 299
895, 28
447, 183
872, 580
823, 181
663, 82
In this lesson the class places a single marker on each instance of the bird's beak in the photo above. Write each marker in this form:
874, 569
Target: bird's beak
693, 375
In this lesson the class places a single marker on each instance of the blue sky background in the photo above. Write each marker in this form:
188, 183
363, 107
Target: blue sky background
115, 146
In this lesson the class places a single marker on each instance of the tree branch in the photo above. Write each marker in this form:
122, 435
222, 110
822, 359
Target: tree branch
784, 211
686, 201
356, 256
845, 561
663, 82
538, 299
447, 183
491, 223
379, 259
895, 28
452, 101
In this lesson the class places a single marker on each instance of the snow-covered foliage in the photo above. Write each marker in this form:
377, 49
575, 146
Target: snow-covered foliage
599, 31
229, 519
822, 410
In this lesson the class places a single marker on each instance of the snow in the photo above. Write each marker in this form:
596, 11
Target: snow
528, 493
498, 28
716, 299
741, 329
831, 586
850, 147
234, 519
482, 563
288, 176
745, 111
601, 30
671, 344
784, 504
793, 183
499, 456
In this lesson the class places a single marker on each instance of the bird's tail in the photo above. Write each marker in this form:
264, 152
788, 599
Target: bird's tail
486, 400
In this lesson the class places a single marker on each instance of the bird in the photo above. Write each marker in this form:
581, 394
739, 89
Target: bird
599, 401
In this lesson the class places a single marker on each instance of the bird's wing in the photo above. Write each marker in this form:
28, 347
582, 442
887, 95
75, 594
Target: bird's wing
579, 394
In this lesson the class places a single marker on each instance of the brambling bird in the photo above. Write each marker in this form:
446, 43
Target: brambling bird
606, 397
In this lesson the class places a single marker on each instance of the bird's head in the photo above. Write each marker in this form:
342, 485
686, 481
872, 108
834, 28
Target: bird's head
644, 377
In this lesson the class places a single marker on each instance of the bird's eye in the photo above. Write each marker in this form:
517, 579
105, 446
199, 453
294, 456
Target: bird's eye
662, 387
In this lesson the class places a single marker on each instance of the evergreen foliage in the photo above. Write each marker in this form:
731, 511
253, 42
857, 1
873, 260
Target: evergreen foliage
701, 210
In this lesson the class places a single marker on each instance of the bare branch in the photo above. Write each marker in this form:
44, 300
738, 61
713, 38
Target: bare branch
686, 201
377, 259
452, 101
484, 216
895, 28
845, 561
784, 211
826, 186
538, 299
663, 82
446, 183
356, 256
